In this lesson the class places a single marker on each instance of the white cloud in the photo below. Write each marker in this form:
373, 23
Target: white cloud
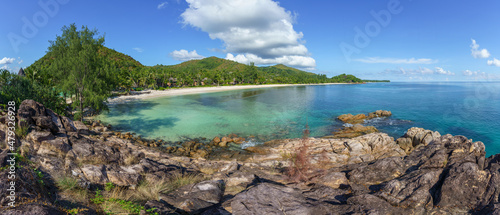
476, 53
184, 55
7, 60
294, 61
473, 73
397, 60
441, 71
162, 5
5, 67
138, 50
420, 71
494, 62
260, 30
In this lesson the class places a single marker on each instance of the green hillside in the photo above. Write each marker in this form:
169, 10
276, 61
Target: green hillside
131, 74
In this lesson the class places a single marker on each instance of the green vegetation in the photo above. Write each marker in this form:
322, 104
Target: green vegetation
109, 186
17, 88
80, 69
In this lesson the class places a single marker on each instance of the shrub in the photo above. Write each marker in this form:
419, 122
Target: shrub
300, 161
17, 88
109, 186
150, 189
78, 116
68, 186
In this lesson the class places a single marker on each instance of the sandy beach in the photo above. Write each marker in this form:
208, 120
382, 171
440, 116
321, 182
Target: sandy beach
195, 90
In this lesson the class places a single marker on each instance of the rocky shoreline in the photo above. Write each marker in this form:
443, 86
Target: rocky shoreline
422, 172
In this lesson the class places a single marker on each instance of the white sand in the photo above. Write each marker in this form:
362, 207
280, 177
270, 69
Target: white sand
195, 90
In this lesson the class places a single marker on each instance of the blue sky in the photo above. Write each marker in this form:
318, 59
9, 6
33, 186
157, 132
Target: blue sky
406, 40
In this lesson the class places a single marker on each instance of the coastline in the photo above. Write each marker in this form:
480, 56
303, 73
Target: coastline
196, 90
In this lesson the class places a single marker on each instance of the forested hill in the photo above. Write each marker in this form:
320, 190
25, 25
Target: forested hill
129, 73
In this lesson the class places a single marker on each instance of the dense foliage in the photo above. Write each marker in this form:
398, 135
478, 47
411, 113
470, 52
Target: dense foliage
18, 88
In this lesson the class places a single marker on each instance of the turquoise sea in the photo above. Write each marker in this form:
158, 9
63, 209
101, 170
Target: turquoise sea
458, 108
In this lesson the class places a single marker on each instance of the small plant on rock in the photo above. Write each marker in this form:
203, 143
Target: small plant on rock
300, 160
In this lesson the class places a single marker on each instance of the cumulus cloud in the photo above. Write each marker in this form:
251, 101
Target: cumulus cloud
260, 31
396, 60
162, 5
494, 62
184, 55
476, 52
138, 50
441, 71
420, 71
473, 73
7, 60
294, 61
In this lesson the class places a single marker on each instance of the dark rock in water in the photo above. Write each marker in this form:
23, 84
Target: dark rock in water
360, 118
354, 131
379, 113
196, 198
349, 118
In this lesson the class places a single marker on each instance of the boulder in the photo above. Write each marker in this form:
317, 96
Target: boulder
216, 140
354, 131
240, 178
267, 198
123, 176
415, 189
196, 198
333, 179
349, 118
463, 186
57, 147
379, 113
415, 137
379, 171
81, 128
371, 204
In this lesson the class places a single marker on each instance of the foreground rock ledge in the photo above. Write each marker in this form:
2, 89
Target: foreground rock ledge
419, 173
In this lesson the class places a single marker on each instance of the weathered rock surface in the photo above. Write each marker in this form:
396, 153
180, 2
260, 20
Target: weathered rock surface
420, 173
353, 131
332, 152
415, 137
196, 198
360, 118
268, 198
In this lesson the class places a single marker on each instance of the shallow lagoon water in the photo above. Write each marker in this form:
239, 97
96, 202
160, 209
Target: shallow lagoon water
469, 109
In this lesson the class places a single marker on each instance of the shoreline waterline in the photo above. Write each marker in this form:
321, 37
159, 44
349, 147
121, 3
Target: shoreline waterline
199, 90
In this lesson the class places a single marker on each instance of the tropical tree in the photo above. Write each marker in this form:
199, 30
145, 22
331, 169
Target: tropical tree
79, 69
